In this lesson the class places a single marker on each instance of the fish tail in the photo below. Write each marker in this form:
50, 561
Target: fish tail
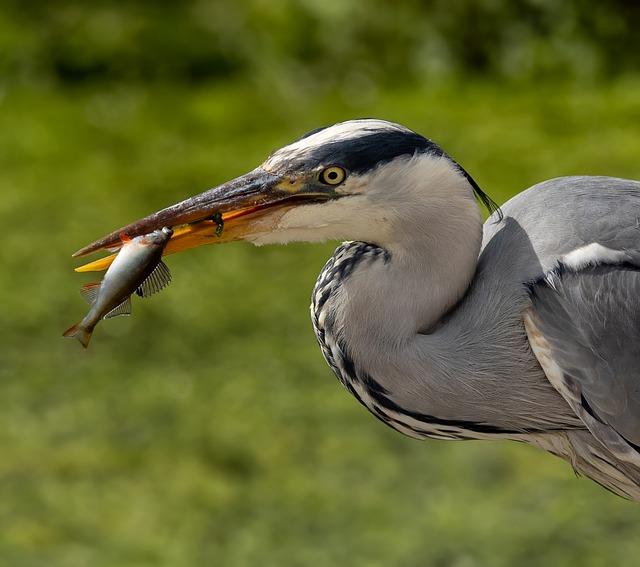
79, 332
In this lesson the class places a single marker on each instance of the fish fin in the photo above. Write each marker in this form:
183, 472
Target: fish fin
124, 238
80, 333
157, 281
123, 309
90, 292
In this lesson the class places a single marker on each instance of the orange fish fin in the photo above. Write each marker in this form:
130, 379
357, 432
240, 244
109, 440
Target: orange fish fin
90, 292
78, 332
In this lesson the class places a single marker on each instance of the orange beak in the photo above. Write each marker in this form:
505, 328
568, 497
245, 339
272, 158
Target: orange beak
229, 212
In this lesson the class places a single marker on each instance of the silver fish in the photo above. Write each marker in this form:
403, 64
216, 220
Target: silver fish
138, 268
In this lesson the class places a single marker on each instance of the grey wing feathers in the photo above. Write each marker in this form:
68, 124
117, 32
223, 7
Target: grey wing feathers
584, 327
157, 281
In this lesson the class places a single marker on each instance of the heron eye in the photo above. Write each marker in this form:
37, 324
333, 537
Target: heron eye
333, 175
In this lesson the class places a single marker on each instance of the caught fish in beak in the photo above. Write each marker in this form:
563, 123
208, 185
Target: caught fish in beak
137, 268
223, 214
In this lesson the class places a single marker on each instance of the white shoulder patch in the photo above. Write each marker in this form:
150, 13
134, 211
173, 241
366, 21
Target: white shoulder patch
592, 255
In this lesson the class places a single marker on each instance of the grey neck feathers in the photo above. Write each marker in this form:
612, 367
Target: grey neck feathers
373, 304
429, 260
394, 323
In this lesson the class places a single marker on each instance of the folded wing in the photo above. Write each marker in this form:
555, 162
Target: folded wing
584, 328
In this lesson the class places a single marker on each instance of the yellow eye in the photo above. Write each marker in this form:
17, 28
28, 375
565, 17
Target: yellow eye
333, 175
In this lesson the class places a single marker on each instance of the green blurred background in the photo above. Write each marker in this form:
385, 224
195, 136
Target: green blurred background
207, 429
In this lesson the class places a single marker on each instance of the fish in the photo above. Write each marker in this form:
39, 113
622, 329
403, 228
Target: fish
138, 268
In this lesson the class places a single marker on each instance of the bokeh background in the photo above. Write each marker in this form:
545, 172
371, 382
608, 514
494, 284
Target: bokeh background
207, 429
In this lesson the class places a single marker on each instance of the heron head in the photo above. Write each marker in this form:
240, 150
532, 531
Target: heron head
356, 180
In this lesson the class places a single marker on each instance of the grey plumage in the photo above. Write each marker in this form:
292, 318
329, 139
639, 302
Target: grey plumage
479, 377
584, 326
592, 323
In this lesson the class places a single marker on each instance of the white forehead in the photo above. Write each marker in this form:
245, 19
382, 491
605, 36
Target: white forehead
338, 132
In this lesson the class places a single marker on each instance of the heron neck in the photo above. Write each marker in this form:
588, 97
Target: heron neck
388, 323
428, 267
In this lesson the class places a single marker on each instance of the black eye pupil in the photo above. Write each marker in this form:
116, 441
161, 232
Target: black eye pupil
332, 175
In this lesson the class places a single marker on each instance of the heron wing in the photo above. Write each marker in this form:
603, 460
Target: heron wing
584, 328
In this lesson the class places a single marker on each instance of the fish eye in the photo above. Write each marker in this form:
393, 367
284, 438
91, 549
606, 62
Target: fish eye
333, 175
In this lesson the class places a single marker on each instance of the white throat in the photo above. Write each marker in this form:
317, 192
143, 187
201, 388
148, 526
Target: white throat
432, 230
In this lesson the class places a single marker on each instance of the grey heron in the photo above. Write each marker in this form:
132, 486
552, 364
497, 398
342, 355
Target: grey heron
525, 328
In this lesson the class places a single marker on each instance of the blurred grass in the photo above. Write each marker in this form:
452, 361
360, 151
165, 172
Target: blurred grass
207, 429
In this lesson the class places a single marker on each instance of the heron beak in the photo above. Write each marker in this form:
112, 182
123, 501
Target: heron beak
231, 211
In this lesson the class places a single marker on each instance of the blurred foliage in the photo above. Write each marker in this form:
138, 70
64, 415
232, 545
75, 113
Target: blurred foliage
317, 43
207, 429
